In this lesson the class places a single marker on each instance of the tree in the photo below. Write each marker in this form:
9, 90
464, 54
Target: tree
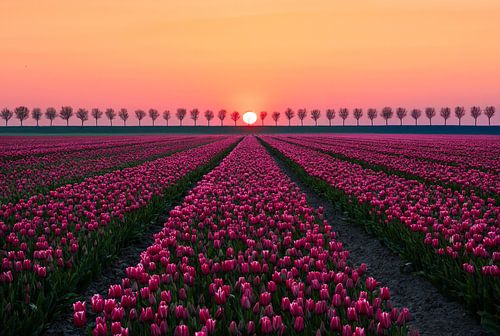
289, 114
387, 114
209, 115
166, 116
51, 114
6, 115
489, 111
96, 114
181, 114
372, 114
263, 116
415, 114
275, 116
302, 114
36, 114
222, 115
235, 116
153, 114
357, 113
82, 114
343, 113
22, 113
330, 115
475, 112
66, 113
140, 114
401, 114
110, 114
459, 113
123, 114
315, 115
195, 114
430, 112
445, 113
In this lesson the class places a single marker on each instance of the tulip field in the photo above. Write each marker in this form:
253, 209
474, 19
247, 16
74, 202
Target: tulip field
241, 249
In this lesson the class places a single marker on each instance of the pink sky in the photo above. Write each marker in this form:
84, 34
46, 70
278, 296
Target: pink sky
250, 55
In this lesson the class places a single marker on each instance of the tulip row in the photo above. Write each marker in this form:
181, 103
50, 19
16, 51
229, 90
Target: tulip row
452, 236
410, 167
59, 240
479, 152
244, 254
38, 174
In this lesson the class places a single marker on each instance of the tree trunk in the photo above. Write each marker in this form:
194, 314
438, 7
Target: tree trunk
445, 122
459, 121
343, 122
475, 121
372, 121
21, 122
357, 122
37, 123
67, 122
330, 122
50, 123
489, 121
301, 122
386, 122
180, 121
289, 122
82, 123
401, 122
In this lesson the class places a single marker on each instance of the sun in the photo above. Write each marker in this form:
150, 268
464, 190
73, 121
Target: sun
249, 117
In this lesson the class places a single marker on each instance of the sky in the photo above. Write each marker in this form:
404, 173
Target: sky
250, 54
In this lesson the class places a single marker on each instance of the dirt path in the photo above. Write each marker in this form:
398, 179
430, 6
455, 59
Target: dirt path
433, 313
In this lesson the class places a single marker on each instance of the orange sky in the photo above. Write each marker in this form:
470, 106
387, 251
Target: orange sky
250, 54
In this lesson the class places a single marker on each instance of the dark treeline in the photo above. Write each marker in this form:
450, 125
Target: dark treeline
22, 113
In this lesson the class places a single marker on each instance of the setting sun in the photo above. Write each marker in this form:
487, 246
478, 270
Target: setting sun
249, 117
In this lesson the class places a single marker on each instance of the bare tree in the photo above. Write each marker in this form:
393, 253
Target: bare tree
330, 115
66, 113
475, 112
430, 112
51, 114
222, 115
22, 113
289, 114
235, 116
181, 114
110, 114
209, 115
82, 114
357, 113
315, 115
36, 114
123, 114
263, 115
387, 114
343, 113
275, 116
401, 114
6, 115
96, 114
415, 114
459, 113
489, 111
302, 114
166, 116
445, 114
140, 114
195, 114
153, 114
372, 114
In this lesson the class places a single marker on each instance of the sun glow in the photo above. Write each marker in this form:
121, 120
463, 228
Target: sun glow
249, 117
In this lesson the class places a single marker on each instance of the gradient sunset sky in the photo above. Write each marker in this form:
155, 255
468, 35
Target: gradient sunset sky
250, 54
